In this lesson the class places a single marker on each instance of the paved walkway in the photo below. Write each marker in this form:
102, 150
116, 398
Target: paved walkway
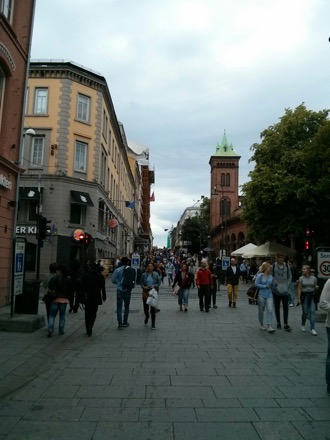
199, 376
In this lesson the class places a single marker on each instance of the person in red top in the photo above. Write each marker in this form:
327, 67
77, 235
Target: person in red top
204, 283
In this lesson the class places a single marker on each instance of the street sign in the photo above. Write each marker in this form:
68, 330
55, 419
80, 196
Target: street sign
323, 263
19, 257
135, 261
225, 263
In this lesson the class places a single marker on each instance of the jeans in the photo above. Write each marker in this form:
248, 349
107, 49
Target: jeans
184, 294
308, 306
56, 307
170, 279
213, 294
327, 365
291, 288
277, 305
123, 297
204, 296
268, 304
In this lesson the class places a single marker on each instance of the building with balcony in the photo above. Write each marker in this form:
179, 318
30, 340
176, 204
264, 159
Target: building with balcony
16, 23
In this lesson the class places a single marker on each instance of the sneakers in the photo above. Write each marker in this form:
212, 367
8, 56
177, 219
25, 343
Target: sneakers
303, 328
120, 326
126, 324
287, 328
270, 329
153, 328
291, 305
279, 326
262, 327
215, 307
313, 332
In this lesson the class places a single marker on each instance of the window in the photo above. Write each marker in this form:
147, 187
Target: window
224, 207
227, 179
83, 106
2, 91
27, 211
40, 101
37, 152
77, 214
80, 155
6, 8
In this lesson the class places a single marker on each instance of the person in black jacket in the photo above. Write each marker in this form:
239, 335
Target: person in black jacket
94, 285
61, 285
233, 275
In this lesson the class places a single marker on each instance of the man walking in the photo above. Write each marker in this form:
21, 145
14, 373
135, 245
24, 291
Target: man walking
204, 283
121, 277
233, 275
282, 280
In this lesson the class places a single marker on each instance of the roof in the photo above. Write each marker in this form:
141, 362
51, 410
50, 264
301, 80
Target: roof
225, 149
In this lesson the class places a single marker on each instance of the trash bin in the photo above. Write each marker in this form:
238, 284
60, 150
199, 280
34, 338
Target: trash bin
28, 301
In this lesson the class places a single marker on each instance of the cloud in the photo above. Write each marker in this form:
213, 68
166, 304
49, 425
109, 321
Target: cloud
180, 72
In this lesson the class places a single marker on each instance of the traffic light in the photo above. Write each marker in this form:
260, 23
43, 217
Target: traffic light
43, 229
87, 239
306, 245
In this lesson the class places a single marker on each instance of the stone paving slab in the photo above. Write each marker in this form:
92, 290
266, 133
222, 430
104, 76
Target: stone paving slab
198, 376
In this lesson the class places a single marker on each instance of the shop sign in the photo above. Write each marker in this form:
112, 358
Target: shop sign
26, 229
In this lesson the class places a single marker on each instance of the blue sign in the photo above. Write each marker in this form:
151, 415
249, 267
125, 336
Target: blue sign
19, 264
225, 263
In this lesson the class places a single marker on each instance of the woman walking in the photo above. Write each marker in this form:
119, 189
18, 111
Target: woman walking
62, 286
183, 279
149, 279
94, 286
307, 284
264, 281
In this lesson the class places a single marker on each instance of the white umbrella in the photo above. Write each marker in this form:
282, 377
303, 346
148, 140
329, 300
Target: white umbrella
269, 249
247, 248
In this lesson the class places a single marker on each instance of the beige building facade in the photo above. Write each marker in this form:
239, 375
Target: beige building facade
77, 171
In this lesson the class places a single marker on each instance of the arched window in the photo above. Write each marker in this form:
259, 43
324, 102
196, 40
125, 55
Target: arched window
227, 179
225, 207
223, 179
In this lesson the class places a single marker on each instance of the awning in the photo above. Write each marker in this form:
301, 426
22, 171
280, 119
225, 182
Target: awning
81, 198
29, 193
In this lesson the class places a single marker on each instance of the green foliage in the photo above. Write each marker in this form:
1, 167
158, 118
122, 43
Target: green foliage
289, 188
196, 229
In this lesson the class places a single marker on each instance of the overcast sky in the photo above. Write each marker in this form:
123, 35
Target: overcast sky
181, 72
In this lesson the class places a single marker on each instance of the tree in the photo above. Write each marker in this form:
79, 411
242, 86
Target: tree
289, 189
195, 230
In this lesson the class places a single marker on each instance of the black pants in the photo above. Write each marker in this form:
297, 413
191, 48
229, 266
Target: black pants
277, 305
90, 316
204, 296
147, 309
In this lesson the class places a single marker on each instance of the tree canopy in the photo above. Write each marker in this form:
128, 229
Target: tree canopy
289, 190
195, 230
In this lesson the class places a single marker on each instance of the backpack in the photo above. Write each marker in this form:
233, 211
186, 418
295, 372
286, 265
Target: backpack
129, 276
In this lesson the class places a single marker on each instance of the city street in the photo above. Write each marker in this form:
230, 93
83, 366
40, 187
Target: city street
198, 376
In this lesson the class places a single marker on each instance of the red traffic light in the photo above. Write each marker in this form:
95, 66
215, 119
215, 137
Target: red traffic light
87, 239
306, 245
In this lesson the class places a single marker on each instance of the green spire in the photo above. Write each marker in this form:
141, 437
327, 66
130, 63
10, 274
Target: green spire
225, 149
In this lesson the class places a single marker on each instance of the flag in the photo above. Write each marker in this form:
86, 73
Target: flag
129, 204
152, 197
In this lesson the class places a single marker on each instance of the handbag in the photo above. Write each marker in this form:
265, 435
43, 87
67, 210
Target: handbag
152, 299
49, 296
253, 293
176, 289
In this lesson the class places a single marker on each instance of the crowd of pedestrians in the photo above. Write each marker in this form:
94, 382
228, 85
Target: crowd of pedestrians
276, 282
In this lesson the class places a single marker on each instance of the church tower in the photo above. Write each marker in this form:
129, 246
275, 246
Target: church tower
224, 191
